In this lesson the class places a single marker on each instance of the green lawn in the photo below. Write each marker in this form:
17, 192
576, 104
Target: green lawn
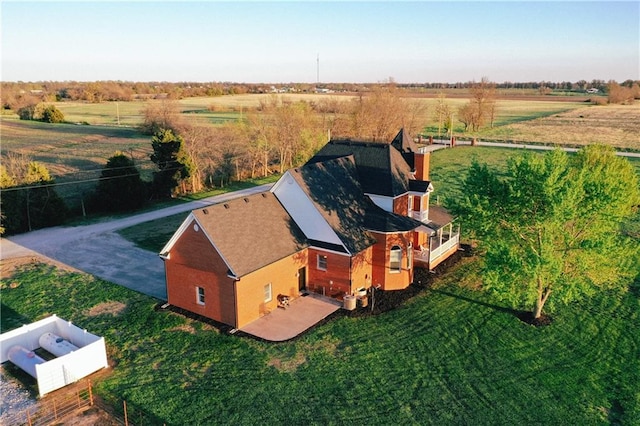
451, 355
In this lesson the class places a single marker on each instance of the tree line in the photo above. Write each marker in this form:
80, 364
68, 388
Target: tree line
190, 157
15, 95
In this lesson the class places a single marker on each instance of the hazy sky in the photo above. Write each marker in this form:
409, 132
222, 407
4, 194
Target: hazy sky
423, 41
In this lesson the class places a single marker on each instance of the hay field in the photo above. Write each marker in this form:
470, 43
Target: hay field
614, 125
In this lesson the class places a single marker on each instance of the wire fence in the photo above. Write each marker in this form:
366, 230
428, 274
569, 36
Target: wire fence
54, 410
51, 410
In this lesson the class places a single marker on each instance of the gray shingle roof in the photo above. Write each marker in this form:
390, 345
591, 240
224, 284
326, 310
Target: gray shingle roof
333, 187
251, 232
381, 168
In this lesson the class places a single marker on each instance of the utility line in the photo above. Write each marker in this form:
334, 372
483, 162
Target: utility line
54, 184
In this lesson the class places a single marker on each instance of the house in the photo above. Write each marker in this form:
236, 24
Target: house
356, 215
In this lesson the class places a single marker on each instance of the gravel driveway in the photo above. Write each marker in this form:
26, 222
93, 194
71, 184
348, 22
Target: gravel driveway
99, 250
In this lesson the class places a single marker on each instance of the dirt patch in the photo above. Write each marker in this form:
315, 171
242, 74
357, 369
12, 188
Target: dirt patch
9, 266
187, 328
107, 308
287, 365
90, 417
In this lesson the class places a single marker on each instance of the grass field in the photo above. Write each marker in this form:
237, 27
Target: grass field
615, 125
451, 355
75, 153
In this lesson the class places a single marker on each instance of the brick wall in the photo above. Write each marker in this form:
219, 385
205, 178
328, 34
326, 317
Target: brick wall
192, 263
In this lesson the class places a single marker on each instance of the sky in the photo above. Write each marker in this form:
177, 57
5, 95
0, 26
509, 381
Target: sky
331, 41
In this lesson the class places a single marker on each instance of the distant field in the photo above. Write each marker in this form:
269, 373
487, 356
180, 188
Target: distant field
78, 152
74, 152
615, 125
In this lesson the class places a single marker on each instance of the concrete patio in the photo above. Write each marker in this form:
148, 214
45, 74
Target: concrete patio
286, 323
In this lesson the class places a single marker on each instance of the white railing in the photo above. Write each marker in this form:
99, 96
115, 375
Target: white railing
419, 215
444, 247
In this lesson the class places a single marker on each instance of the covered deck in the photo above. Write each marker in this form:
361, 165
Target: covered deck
444, 239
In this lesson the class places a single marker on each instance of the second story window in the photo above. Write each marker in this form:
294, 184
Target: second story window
322, 262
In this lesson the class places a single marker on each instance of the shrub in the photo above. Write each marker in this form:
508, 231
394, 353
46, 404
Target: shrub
51, 114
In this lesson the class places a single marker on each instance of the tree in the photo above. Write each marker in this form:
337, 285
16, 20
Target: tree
551, 224
161, 115
29, 201
443, 114
51, 114
174, 164
481, 107
120, 187
378, 115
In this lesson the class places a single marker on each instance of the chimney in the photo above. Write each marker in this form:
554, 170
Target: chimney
421, 165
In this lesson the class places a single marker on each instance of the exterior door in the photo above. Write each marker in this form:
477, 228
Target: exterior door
302, 279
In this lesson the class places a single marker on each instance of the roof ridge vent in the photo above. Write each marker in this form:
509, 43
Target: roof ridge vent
226, 206
205, 211
264, 195
246, 200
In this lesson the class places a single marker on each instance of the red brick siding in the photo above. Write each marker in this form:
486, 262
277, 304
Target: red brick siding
381, 257
401, 205
335, 280
192, 263
421, 164
361, 270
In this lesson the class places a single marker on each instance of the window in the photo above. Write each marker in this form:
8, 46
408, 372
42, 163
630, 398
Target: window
395, 259
200, 295
267, 293
322, 262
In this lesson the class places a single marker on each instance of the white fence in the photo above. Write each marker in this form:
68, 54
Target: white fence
61, 371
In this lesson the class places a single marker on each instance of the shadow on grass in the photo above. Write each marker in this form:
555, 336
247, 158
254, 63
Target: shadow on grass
524, 316
10, 319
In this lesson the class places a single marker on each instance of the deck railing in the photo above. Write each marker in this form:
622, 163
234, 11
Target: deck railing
433, 255
444, 247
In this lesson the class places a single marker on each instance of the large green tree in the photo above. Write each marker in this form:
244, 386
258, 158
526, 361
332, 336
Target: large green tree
173, 161
120, 187
551, 224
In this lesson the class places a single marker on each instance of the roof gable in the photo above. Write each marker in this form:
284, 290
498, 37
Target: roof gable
248, 232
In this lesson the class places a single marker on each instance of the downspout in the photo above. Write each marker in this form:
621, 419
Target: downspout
350, 275
235, 300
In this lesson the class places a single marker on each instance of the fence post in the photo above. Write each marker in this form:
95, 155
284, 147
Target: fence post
90, 394
126, 421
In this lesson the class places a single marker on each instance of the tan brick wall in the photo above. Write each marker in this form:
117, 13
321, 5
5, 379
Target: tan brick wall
250, 289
